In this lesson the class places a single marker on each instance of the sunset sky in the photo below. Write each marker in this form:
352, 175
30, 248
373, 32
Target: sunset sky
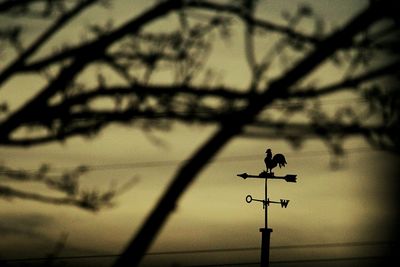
351, 203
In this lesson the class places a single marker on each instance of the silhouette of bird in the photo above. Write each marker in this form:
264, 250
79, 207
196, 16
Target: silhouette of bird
272, 162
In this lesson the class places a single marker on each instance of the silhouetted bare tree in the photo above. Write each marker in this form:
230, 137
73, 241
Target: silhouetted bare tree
124, 87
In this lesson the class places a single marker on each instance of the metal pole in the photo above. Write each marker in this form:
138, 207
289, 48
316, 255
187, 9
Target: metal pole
266, 205
265, 234
265, 241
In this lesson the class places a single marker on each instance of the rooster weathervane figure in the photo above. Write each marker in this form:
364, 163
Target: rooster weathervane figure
272, 162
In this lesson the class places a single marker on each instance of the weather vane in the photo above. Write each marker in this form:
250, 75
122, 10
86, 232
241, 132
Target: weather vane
270, 163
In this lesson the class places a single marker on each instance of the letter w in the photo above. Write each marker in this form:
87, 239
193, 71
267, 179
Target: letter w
284, 203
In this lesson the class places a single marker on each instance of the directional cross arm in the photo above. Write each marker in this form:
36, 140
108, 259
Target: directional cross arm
262, 175
283, 202
291, 178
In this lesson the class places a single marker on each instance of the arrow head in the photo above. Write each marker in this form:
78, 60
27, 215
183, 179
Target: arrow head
243, 175
291, 178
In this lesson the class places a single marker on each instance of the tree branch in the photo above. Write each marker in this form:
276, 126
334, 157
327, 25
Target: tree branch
267, 129
7, 4
42, 39
353, 82
266, 25
97, 119
91, 53
87, 201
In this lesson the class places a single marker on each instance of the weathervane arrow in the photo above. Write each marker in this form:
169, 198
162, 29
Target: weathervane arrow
291, 178
243, 175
